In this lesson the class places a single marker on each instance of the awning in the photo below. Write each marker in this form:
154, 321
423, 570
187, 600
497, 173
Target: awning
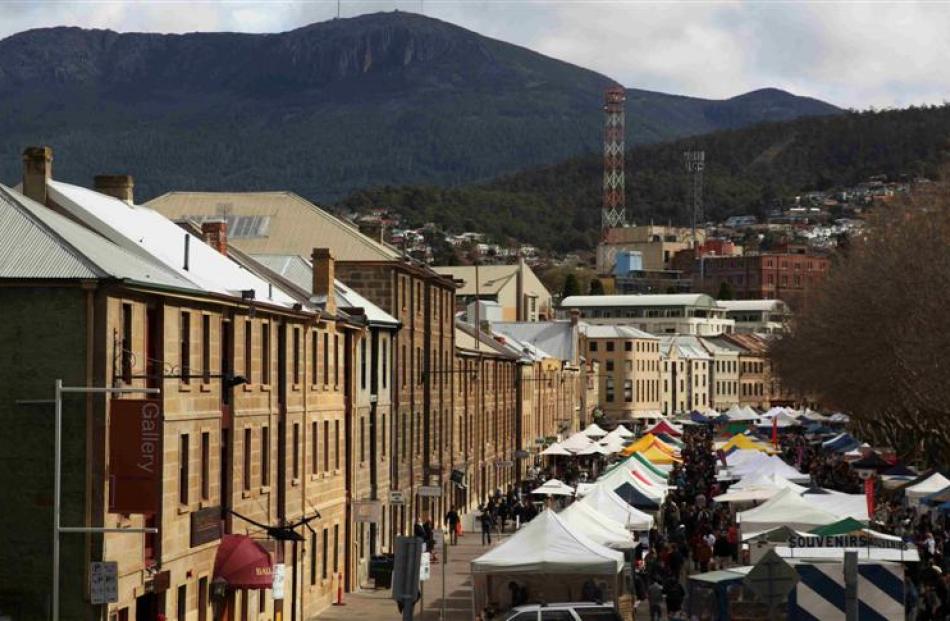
243, 563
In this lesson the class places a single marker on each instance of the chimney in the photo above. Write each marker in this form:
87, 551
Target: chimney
323, 276
575, 316
37, 170
215, 233
374, 229
119, 186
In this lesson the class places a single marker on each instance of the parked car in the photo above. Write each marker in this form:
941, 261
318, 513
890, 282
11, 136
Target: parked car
570, 611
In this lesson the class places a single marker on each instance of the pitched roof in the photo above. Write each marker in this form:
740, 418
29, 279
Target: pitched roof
557, 338
491, 278
608, 331
36, 242
648, 299
294, 225
686, 346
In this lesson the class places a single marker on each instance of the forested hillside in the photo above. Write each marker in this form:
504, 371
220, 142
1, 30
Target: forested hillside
746, 170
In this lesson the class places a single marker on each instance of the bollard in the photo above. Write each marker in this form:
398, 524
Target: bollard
339, 591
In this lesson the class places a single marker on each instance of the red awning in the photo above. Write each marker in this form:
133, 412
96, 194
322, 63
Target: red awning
243, 563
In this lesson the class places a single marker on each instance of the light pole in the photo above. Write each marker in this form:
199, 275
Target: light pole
58, 477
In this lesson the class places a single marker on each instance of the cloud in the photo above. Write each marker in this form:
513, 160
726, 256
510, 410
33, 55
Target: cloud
856, 54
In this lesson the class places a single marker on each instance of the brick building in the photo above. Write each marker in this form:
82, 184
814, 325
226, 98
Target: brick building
629, 364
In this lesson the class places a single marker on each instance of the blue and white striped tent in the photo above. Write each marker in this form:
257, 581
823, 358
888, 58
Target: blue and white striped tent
820, 594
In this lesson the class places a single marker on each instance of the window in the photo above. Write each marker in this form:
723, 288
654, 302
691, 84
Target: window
248, 351
245, 601
314, 339
182, 601
265, 353
593, 346
336, 444
127, 343
205, 465
326, 445
628, 366
610, 345
184, 328
628, 346
326, 359
382, 430
556, 615
183, 469
247, 459
265, 456
385, 360
610, 389
363, 363
405, 365
628, 391
362, 439
336, 548
296, 355
314, 459
296, 451
313, 557
336, 360
326, 545
203, 599
206, 349
610, 365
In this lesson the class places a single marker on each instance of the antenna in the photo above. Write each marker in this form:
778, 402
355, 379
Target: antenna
612, 213
695, 162
338, 9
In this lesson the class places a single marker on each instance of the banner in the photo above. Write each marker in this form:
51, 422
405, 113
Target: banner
869, 495
135, 455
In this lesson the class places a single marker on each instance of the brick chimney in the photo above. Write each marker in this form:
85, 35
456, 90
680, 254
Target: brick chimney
37, 170
119, 186
323, 276
575, 316
215, 233
374, 229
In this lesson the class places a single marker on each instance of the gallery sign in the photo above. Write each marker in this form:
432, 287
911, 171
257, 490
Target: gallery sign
135, 455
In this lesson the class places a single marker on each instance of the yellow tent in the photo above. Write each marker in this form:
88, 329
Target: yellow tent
640, 445
658, 456
666, 448
741, 441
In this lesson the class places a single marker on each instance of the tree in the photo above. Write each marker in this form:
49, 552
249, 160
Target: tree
596, 287
725, 291
571, 286
869, 341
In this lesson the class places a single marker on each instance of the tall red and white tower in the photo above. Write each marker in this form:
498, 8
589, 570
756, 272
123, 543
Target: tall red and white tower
612, 213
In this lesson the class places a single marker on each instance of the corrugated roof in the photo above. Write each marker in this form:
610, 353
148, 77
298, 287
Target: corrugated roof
557, 338
686, 346
491, 278
299, 271
37, 242
594, 331
667, 299
296, 225
754, 305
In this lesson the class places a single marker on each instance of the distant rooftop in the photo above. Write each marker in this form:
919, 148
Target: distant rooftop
669, 299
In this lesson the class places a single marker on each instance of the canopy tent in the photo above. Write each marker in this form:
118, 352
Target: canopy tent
782, 420
697, 417
669, 441
553, 487
640, 471
616, 508
667, 428
853, 506
549, 558
613, 444
595, 449
896, 476
767, 465
623, 432
576, 442
871, 461
938, 498
786, 508
842, 439
556, 449
659, 456
620, 476
635, 497
839, 418
759, 479
756, 487
584, 488
597, 526
840, 527
931, 485
650, 466
736, 414
741, 441
643, 443
594, 430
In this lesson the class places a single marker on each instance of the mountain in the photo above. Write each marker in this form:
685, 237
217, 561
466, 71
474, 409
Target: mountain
387, 98
747, 170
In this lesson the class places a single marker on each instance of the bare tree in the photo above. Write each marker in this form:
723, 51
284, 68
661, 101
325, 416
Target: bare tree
874, 340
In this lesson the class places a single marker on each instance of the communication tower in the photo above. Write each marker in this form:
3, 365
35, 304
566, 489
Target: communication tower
612, 213
695, 163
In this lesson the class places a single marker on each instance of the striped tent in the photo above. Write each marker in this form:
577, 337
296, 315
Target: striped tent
820, 594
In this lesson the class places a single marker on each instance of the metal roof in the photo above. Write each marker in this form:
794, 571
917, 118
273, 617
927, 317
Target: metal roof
594, 331
37, 242
687, 346
666, 299
557, 338
754, 305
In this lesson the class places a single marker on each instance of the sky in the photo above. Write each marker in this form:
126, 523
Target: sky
852, 54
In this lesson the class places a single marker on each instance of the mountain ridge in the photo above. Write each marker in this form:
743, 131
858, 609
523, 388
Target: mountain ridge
324, 109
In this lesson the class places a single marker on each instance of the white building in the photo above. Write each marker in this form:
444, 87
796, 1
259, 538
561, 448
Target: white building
757, 316
695, 314
685, 366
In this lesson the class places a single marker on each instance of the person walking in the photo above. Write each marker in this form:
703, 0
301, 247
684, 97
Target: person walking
655, 598
452, 520
487, 523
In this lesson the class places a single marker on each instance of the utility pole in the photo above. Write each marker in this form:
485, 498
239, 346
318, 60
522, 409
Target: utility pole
695, 162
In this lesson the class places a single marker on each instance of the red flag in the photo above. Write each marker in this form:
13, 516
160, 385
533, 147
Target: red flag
869, 495
775, 431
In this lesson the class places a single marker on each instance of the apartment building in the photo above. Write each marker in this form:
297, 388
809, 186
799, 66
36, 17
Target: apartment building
755, 377
758, 316
694, 314
724, 372
685, 374
629, 378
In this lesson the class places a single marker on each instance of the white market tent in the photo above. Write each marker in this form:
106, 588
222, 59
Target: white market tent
623, 432
553, 487
765, 465
736, 414
931, 485
616, 508
844, 505
556, 449
594, 430
596, 449
577, 442
598, 527
613, 444
618, 476
551, 559
786, 508
759, 479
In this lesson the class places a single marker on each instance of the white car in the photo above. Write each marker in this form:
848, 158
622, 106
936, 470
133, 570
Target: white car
570, 611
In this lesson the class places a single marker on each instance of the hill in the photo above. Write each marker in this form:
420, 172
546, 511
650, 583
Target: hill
557, 207
388, 98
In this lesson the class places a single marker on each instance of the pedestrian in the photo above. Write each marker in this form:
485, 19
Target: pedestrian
452, 520
487, 523
655, 599
674, 597
419, 531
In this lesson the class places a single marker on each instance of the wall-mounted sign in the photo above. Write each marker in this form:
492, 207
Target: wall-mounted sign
205, 525
367, 511
103, 582
397, 497
135, 455
430, 491
277, 590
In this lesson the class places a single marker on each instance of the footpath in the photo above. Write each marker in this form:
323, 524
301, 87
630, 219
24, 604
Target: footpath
368, 604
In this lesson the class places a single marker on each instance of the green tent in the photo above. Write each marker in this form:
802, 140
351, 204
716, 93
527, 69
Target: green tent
843, 527
648, 464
